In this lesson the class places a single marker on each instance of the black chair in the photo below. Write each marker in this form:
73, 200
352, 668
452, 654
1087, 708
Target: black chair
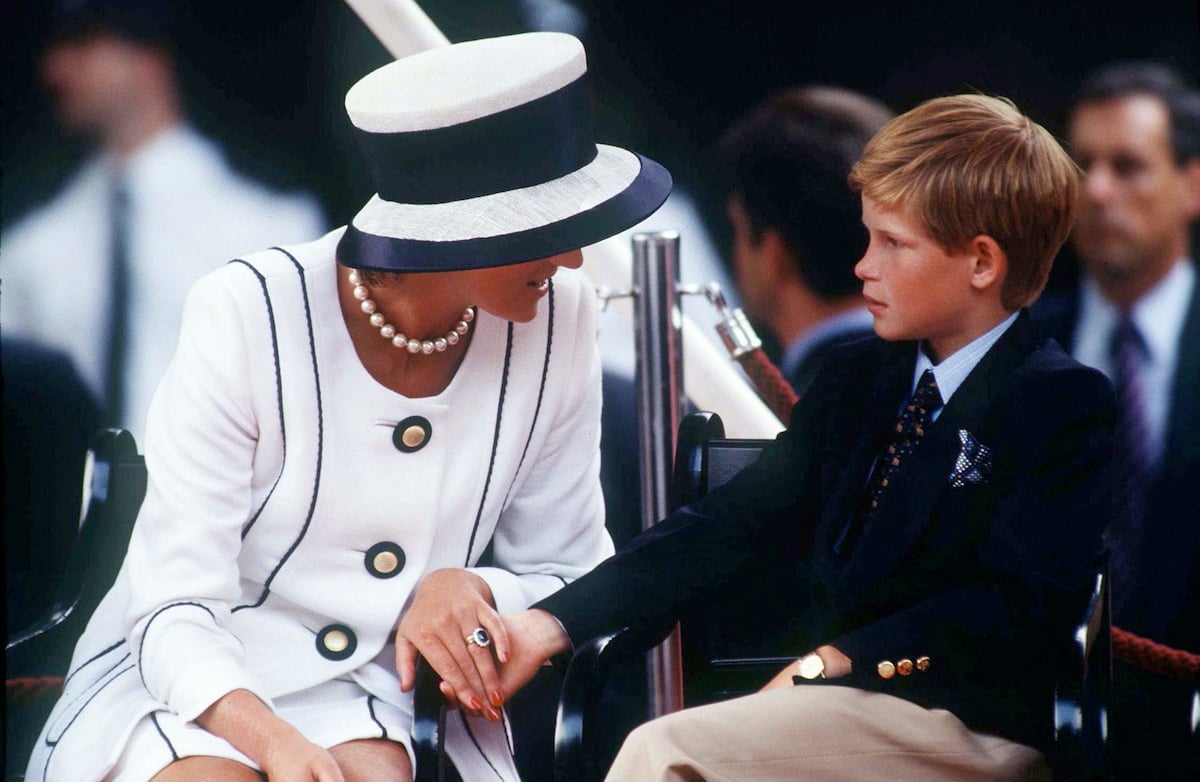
429, 728
725, 654
114, 484
1083, 692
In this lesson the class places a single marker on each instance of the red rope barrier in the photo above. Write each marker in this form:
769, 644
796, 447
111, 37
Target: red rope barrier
772, 386
26, 690
1133, 649
1155, 657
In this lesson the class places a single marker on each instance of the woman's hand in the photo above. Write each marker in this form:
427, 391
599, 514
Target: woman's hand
275, 745
836, 665
296, 758
449, 604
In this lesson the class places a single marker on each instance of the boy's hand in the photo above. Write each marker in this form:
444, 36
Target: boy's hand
534, 637
836, 665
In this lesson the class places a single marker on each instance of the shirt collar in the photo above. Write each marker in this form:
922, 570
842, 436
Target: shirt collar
157, 164
954, 369
1158, 315
857, 319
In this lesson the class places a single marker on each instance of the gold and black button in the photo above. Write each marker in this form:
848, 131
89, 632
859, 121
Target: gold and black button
922, 663
384, 560
336, 642
412, 434
904, 667
886, 669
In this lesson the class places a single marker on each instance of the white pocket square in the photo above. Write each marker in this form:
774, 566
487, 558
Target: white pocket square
973, 464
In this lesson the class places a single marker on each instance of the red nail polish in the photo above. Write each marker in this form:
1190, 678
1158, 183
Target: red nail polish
475, 704
497, 699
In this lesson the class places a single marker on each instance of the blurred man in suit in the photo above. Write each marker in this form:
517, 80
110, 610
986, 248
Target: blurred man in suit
797, 229
1135, 132
100, 271
94, 279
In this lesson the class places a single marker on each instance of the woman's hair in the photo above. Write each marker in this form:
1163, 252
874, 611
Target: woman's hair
967, 165
378, 279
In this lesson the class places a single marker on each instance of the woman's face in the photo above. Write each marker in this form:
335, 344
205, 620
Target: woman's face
513, 292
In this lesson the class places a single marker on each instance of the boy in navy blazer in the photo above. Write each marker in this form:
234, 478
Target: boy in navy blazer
937, 500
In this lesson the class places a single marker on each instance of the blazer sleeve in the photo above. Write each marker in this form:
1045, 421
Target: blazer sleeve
757, 518
183, 553
552, 530
1051, 499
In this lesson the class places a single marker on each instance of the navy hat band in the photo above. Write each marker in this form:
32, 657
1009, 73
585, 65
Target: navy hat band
527, 145
645, 194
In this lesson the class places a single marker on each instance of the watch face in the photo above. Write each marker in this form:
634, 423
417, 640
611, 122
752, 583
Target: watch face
811, 666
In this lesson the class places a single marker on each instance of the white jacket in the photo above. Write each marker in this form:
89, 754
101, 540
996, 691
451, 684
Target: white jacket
274, 482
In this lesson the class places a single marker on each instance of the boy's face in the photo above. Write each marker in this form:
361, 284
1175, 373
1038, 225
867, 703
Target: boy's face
912, 286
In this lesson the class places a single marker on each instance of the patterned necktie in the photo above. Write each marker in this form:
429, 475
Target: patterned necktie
118, 307
906, 434
1132, 458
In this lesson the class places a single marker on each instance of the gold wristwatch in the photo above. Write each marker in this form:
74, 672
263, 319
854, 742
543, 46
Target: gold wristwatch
812, 666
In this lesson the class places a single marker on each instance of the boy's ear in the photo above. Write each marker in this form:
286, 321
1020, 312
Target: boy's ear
991, 262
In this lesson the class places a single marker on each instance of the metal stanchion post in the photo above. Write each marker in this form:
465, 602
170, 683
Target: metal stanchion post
659, 380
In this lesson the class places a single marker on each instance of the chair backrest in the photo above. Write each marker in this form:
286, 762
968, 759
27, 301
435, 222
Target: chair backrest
37, 657
730, 646
114, 486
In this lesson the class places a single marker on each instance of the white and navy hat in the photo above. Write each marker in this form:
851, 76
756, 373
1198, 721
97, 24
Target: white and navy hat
483, 155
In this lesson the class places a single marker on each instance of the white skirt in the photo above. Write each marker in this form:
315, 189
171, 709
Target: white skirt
328, 714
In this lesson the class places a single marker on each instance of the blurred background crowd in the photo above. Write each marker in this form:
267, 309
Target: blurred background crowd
267, 79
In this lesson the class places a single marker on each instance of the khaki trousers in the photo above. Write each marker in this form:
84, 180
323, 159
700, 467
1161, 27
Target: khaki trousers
819, 733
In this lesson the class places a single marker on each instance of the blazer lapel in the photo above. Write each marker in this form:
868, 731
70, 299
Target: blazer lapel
856, 443
925, 477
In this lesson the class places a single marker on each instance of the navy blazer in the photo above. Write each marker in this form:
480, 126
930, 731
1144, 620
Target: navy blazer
1166, 605
982, 578
802, 375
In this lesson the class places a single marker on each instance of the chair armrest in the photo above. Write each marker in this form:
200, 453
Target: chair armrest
53, 617
429, 725
1082, 689
575, 754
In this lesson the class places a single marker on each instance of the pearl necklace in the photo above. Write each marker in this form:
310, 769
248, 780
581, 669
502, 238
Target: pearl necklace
388, 331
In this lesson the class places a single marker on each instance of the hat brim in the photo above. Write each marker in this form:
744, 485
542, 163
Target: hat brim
615, 191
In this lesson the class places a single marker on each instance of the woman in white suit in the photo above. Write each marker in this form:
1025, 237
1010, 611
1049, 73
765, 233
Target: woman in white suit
347, 425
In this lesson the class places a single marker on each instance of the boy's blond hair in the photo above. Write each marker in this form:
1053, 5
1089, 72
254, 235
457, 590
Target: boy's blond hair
967, 165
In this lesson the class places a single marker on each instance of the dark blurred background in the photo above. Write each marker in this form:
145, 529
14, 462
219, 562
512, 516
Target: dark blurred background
267, 78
